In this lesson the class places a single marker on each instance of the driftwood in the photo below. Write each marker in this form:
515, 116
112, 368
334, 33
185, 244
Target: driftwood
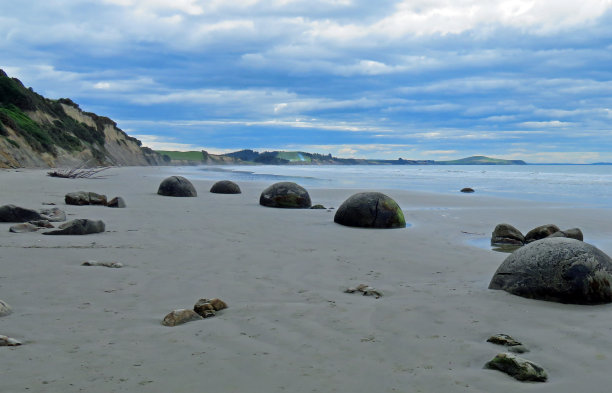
78, 172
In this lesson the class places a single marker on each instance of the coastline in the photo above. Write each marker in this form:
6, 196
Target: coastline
289, 326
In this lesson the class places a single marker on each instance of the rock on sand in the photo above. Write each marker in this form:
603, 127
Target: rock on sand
225, 187
370, 210
557, 269
177, 186
287, 195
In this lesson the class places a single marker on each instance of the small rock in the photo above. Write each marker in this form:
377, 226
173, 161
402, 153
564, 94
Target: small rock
24, 227
541, 232
517, 367
54, 214
116, 202
8, 342
218, 304
31, 226
77, 198
365, 289
204, 308
179, 317
225, 187
5, 309
512, 344
115, 265
177, 186
42, 224
81, 198
318, 207
467, 190
503, 339
82, 226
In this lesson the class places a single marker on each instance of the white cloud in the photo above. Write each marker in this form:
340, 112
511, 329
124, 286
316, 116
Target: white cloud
546, 124
156, 142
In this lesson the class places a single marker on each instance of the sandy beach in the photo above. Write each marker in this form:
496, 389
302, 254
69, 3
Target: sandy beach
289, 326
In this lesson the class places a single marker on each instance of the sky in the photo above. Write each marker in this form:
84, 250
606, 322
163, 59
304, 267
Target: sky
435, 79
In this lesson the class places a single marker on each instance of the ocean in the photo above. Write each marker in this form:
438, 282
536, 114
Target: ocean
576, 185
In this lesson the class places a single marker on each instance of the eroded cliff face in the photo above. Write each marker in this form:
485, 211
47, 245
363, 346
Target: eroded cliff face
39, 132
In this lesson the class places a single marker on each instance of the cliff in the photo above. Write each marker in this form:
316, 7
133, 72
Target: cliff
39, 132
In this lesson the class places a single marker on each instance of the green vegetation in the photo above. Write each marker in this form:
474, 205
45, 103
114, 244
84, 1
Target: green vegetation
65, 132
294, 156
182, 155
36, 137
14, 143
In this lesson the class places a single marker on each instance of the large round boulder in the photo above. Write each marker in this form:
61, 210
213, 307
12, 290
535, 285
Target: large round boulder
285, 195
557, 269
177, 186
225, 187
505, 234
370, 210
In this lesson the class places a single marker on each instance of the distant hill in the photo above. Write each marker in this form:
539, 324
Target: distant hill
481, 160
251, 157
39, 132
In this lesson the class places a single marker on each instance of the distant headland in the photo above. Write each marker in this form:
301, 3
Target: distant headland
252, 157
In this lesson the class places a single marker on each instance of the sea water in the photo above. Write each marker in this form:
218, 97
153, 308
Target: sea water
577, 185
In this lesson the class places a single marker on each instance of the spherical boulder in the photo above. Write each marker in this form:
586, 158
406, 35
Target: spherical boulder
557, 269
225, 187
285, 195
370, 210
504, 234
177, 186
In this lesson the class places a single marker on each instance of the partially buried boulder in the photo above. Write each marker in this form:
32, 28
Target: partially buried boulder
557, 269
31, 226
54, 214
81, 198
370, 210
117, 202
177, 186
517, 367
225, 187
179, 317
504, 234
12, 213
81, 226
541, 232
285, 195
